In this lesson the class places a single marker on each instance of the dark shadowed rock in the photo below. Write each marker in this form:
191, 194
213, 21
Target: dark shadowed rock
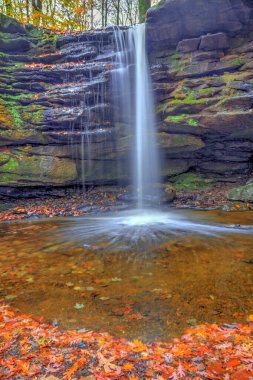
168, 193
189, 45
198, 56
13, 45
214, 42
10, 25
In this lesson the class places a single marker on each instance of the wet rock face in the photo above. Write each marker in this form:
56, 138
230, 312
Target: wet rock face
58, 122
56, 113
202, 77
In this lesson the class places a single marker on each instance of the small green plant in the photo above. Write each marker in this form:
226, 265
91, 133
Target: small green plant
176, 119
192, 122
182, 118
237, 62
177, 62
16, 116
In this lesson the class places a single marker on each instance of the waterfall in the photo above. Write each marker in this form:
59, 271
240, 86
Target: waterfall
134, 97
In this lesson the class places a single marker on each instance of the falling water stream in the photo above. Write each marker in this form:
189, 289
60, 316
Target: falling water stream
141, 226
134, 97
147, 172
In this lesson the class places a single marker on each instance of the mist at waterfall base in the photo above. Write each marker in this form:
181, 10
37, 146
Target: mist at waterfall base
141, 226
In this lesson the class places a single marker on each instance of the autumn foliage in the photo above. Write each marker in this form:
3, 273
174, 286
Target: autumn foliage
32, 349
77, 15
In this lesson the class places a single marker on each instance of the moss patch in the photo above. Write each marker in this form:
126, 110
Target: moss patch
18, 122
190, 182
22, 167
15, 116
175, 119
4, 158
177, 62
182, 119
238, 62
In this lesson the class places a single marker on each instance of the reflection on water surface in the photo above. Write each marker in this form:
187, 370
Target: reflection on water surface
85, 274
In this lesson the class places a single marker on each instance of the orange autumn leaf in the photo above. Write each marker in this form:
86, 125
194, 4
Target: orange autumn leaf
242, 375
70, 354
233, 363
128, 367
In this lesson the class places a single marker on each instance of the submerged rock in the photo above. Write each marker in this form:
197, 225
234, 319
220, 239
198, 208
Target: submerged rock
153, 195
168, 193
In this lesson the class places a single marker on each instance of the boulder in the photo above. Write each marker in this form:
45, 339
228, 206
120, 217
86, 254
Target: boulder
153, 194
22, 169
217, 41
188, 45
168, 193
173, 20
173, 167
243, 193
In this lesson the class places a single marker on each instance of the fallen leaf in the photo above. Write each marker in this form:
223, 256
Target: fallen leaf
79, 306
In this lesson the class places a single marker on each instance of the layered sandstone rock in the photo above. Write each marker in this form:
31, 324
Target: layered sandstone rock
57, 115
56, 118
201, 55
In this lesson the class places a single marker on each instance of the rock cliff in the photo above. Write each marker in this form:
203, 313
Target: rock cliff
56, 122
57, 119
201, 54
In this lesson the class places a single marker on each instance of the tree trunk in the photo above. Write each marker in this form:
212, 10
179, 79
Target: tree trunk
106, 12
103, 13
27, 10
91, 18
37, 11
8, 7
144, 5
118, 11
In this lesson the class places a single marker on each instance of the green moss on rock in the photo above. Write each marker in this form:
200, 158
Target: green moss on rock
186, 119
18, 121
243, 193
23, 168
191, 182
4, 158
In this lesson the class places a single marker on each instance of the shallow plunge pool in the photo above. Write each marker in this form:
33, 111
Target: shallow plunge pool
149, 277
